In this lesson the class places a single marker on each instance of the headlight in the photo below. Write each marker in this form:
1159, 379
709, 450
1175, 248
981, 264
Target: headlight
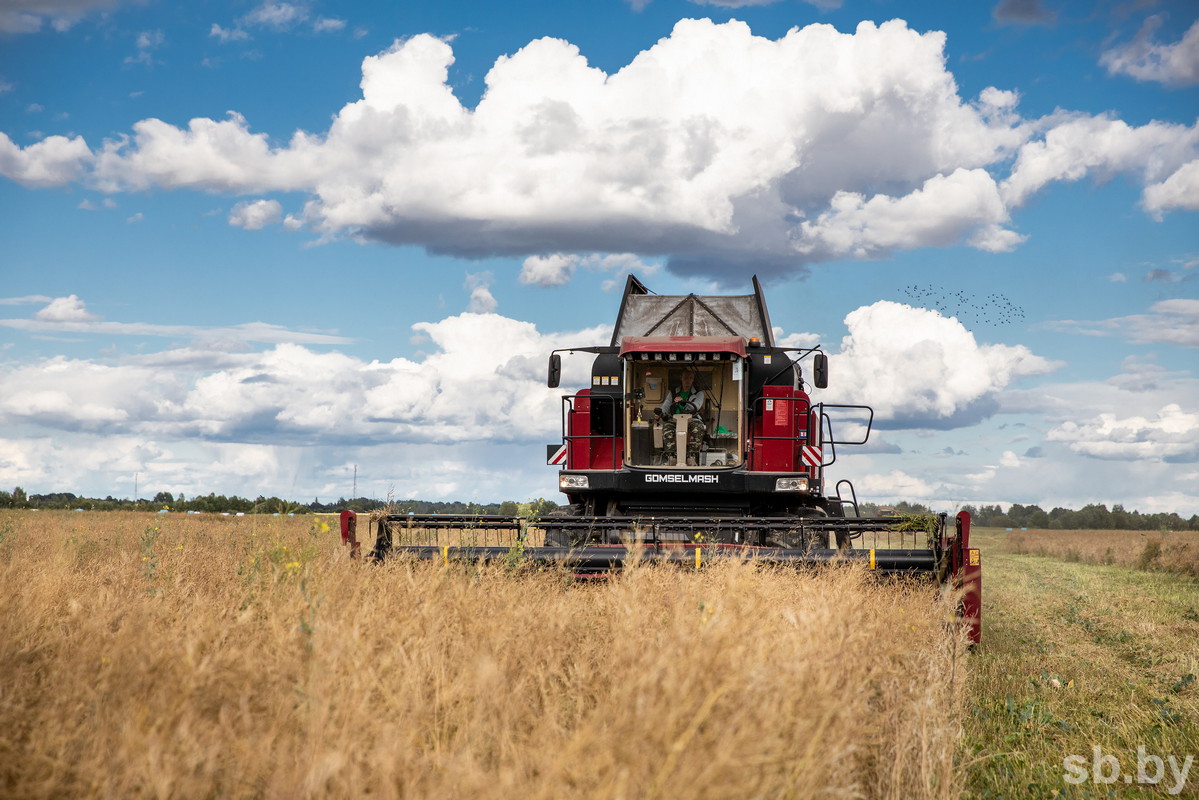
572, 482
791, 485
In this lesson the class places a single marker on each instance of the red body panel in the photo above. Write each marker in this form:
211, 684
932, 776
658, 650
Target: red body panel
777, 430
585, 450
578, 427
969, 580
607, 453
349, 532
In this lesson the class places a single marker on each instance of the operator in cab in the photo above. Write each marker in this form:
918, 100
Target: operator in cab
686, 400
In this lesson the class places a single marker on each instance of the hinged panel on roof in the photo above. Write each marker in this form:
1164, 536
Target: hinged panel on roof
643, 314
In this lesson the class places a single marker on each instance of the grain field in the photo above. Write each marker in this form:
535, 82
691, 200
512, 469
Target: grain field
203, 656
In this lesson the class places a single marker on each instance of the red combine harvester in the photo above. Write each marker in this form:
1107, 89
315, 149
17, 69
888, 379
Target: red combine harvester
697, 440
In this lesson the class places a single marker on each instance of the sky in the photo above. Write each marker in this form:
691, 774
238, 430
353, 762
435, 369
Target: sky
305, 248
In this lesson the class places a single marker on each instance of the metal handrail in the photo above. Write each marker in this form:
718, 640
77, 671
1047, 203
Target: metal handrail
869, 422
833, 441
568, 401
795, 438
853, 497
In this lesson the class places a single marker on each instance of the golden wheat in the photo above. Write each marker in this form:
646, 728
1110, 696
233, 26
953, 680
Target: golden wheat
191, 656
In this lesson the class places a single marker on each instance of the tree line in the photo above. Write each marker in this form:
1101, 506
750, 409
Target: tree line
222, 504
1094, 516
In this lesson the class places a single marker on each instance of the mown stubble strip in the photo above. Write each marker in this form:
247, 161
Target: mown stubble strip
1077, 656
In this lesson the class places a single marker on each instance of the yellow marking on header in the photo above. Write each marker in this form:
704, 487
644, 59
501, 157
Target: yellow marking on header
975, 558
872, 558
699, 560
445, 555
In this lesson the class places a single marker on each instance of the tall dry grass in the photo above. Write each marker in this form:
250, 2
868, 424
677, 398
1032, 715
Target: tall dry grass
173, 656
1176, 551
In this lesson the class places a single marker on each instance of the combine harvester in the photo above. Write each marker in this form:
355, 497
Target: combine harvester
698, 440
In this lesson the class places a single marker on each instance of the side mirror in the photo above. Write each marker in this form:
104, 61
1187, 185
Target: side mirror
820, 368
555, 376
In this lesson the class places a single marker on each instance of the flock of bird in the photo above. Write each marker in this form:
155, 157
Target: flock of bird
995, 309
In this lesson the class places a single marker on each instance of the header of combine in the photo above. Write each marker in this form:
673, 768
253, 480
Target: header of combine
697, 438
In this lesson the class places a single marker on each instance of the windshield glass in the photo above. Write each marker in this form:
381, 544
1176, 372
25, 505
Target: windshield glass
683, 414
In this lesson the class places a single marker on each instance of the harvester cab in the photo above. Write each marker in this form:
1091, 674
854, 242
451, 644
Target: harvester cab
693, 409
696, 439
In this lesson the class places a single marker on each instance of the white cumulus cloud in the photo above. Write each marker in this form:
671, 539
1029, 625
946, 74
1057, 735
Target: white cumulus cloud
226, 35
70, 315
1171, 435
328, 24
1179, 191
894, 486
28, 16
256, 215
147, 42
1173, 321
556, 269
54, 161
714, 148
279, 16
1146, 59
939, 213
481, 299
1100, 147
65, 309
920, 369
467, 417
484, 380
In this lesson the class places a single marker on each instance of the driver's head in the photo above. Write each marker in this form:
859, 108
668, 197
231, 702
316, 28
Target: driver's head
688, 378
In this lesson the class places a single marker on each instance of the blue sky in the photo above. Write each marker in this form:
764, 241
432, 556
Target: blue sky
251, 246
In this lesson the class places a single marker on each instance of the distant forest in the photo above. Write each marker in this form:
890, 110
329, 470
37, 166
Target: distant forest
1093, 516
1089, 517
220, 504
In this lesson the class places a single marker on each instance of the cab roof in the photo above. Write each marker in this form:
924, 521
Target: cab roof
683, 344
